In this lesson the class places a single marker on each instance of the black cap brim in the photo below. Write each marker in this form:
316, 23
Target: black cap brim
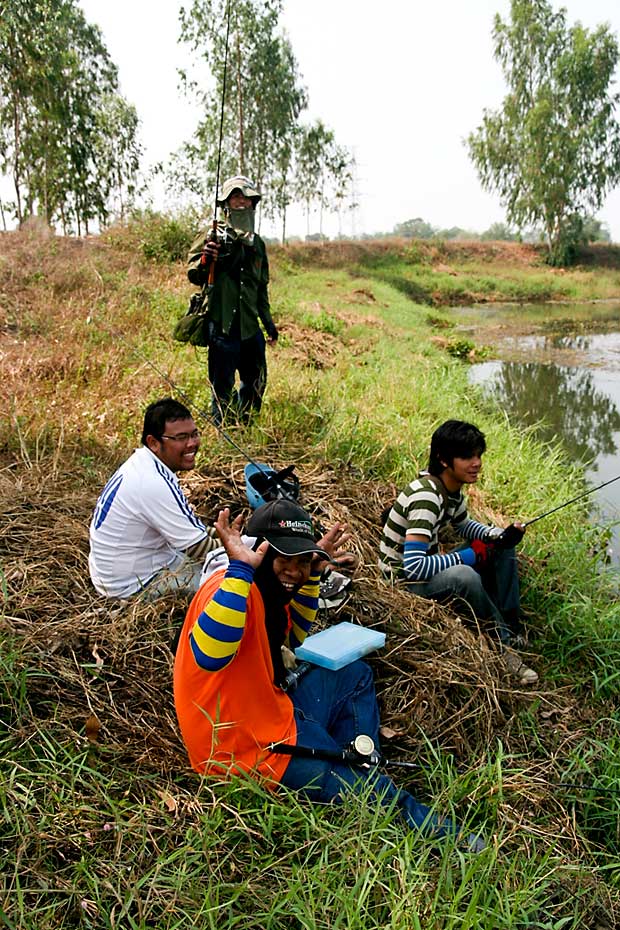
289, 545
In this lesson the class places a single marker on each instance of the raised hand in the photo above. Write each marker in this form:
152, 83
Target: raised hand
230, 534
333, 542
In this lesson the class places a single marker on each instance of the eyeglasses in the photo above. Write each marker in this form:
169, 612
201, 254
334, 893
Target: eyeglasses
183, 437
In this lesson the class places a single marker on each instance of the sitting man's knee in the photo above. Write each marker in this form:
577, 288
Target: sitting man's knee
463, 578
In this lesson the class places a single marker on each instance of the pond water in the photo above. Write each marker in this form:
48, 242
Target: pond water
557, 368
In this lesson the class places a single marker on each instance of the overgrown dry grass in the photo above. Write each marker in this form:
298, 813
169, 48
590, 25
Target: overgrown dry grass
438, 681
98, 676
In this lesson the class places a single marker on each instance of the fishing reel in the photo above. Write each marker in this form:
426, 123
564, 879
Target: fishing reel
364, 751
294, 676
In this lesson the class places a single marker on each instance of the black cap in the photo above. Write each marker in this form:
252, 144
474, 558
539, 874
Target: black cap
286, 527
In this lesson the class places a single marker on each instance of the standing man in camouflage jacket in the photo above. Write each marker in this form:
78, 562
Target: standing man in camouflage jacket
238, 301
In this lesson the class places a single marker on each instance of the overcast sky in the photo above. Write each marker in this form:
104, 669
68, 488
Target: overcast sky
401, 83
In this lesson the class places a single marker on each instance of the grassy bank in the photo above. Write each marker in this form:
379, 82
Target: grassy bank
104, 825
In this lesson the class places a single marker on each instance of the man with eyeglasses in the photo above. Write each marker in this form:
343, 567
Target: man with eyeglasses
144, 536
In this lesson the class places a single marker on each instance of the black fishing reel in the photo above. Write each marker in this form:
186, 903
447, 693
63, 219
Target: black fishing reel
294, 676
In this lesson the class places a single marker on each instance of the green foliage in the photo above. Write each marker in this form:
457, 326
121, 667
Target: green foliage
165, 237
322, 322
322, 171
415, 229
67, 137
594, 768
264, 96
466, 350
553, 150
595, 230
419, 229
262, 135
498, 232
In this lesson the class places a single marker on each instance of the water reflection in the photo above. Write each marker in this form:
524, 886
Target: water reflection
563, 402
560, 375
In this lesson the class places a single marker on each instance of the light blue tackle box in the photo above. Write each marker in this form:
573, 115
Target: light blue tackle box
339, 645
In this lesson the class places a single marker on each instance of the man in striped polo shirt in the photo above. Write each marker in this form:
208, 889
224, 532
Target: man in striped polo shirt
482, 573
144, 536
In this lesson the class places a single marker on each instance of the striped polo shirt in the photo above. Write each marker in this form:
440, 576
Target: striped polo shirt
421, 509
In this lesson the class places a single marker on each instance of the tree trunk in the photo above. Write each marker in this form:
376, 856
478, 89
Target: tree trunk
45, 204
18, 199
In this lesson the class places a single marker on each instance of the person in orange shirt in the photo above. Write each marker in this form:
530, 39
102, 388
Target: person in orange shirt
229, 671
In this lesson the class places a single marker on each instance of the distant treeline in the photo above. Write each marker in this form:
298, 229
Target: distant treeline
593, 231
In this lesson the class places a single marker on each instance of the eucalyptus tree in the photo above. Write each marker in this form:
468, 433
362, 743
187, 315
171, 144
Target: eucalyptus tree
57, 82
20, 42
314, 141
117, 155
323, 171
552, 152
276, 126
262, 99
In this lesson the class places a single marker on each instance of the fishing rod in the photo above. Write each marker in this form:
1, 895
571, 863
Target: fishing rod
513, 534
213, 236
572, 501
363, 754
273, 480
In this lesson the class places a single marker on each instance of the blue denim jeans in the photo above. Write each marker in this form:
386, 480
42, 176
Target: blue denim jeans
491, 591
331, 709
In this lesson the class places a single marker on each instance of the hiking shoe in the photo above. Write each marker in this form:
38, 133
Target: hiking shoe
334, 589
517, 667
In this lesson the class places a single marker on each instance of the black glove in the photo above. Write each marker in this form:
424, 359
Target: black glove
272, 332
510, 538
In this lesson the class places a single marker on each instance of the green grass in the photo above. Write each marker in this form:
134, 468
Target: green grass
106, 834
88, 843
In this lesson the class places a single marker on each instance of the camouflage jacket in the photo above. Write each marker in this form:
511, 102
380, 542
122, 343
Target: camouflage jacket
239, 299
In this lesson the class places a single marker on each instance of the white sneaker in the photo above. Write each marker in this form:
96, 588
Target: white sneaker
333, 590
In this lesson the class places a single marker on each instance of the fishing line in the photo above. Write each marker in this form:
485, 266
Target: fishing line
272, 479
572, 501
213, 235
219, 148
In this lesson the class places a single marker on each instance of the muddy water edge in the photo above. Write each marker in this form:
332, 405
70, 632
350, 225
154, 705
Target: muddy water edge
556, 368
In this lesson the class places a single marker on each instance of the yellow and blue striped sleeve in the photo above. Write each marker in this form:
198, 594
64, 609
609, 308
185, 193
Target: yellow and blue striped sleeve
302, 609
217, 632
